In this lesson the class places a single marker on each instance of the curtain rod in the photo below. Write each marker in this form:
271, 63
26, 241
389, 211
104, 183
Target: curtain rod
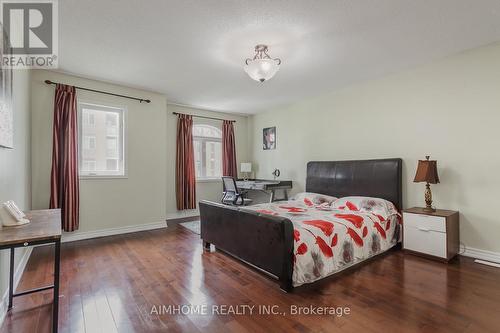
177, 113
104, 92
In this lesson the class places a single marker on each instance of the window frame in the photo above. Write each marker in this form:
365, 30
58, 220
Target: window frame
90, 123
86, 142
123, 130
205, 139
87, 161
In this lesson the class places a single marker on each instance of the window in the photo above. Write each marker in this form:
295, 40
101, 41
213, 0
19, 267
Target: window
88, 120
112, 164
101, 140
88, 142
112, 146
89, 165
207, 142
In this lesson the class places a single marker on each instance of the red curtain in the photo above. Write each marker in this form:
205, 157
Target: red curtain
184, 171
64, 186
228, 150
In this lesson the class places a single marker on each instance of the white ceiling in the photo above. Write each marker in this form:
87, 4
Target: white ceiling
193, 51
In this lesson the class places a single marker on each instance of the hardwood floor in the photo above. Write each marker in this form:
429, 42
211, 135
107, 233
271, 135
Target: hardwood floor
112, 284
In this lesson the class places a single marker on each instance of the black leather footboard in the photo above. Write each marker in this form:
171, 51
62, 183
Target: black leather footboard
261, 240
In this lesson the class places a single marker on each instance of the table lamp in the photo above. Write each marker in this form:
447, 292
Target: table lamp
427, 173
246, 168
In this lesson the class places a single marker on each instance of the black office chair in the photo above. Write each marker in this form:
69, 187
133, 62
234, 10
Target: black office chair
230, 193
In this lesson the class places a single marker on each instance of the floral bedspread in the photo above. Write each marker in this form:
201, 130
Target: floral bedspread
329, 240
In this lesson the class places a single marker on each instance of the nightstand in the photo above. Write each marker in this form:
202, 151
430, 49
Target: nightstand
434, 235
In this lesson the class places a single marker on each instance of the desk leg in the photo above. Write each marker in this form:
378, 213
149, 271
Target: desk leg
273, 196
11, 278
55, 305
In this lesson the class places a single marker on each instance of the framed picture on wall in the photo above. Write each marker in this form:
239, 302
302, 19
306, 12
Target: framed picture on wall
6, 114
269, 138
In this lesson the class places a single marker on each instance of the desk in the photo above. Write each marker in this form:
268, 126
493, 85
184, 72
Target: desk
266, 186
45, 228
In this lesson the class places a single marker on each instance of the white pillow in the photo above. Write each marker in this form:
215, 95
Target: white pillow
311, 199
375, 206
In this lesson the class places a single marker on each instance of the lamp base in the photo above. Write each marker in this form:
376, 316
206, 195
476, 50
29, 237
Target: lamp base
429, 210
428, 199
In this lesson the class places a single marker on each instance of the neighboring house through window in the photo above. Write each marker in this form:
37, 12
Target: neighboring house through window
101, 140
207, 141
89, 142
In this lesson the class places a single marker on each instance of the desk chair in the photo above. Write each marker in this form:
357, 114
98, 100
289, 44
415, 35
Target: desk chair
230, 193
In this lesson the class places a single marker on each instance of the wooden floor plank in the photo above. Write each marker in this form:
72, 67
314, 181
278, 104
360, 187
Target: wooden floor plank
111, 285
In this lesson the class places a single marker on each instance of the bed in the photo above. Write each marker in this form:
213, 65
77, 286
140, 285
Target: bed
299, 242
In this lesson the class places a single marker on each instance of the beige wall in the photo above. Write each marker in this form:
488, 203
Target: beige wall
15, 164
107, 203
147, 195
449, 109
209, 190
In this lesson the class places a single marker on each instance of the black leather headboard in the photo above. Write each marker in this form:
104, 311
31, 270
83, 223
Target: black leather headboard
370, 178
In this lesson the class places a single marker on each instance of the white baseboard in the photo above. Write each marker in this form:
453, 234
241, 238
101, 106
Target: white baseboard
487, 263
76, 236
482, 254
4, 302
183, 214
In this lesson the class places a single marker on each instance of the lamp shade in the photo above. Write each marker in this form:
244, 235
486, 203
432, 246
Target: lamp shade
246, 167
426, 172
262, 69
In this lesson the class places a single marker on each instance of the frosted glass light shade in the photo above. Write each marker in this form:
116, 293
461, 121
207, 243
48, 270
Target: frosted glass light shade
246, 167
262, 69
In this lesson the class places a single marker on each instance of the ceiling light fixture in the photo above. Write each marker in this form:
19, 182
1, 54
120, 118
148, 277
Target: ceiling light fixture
262, 67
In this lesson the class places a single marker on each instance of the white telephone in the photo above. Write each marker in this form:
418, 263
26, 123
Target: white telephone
11, 216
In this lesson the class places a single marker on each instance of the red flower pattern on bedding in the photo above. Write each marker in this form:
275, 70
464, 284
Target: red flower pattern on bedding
308, 202
357, 220
325, 226
266, 211
355, 237
351, 206
335, 240
326, 241
302, 248
296, 235
323, 246
292, 209
380, 229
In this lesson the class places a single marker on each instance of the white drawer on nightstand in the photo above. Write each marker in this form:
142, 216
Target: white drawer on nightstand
431, 234
424, 222
425, 241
